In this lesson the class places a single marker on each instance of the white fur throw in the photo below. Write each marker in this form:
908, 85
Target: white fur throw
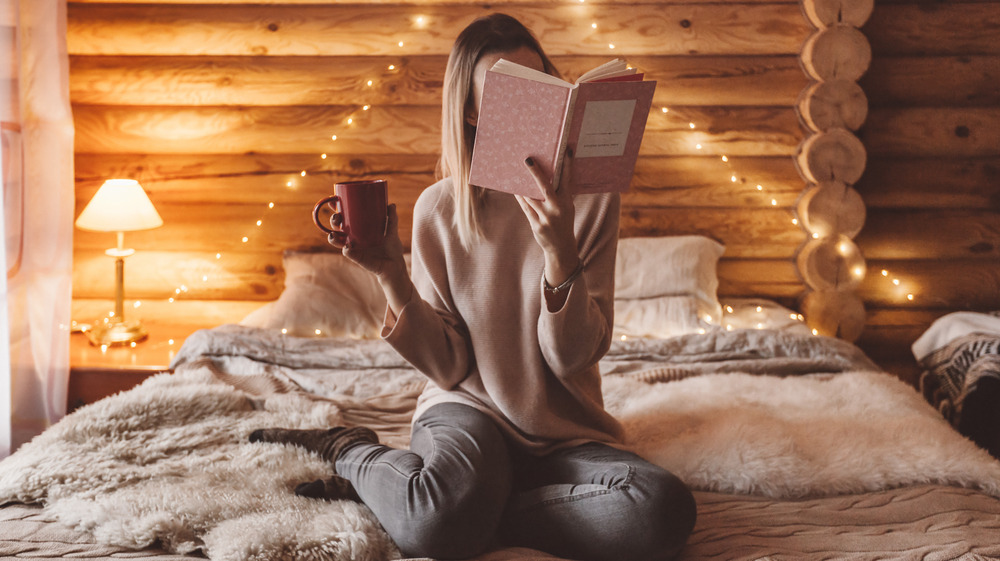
169, 460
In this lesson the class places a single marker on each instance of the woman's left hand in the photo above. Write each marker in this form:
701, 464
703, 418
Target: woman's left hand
551, 222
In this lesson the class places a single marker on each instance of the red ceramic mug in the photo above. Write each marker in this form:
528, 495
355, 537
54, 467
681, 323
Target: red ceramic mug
363, 206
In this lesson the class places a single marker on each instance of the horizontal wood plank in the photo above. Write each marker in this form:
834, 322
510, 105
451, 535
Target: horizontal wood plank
411, 80
747, 233
951, 81
929, 234
922, 28
358, 29
959, 132
968, 284
662, 181
397, 2
939, 183
259, 277
759, 131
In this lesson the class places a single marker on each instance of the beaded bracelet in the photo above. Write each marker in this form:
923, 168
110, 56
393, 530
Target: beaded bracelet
566, 283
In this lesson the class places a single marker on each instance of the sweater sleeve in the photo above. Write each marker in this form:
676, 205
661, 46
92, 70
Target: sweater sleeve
576, 336
429, 332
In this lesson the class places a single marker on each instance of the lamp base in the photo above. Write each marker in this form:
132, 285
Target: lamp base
117, 333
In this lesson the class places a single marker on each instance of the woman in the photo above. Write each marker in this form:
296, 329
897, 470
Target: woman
508, 312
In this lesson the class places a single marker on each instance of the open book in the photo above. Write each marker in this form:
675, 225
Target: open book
525, 113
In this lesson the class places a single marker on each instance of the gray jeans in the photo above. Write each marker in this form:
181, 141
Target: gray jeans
462, 488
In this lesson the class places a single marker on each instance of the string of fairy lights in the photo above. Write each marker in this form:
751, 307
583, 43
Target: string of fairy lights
729, 172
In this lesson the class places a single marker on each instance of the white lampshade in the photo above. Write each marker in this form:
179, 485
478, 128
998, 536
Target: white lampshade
120, 205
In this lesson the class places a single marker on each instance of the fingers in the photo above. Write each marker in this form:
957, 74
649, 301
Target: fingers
543, 182
337, 239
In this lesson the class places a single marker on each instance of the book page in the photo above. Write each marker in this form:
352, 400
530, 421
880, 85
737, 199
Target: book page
605, 128
504, 66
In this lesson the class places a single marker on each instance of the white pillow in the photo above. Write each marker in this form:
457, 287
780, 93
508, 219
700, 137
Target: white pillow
667, 266
667, 286
325, 295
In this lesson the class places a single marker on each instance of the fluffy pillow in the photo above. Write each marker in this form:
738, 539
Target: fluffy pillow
325, 295
666, 286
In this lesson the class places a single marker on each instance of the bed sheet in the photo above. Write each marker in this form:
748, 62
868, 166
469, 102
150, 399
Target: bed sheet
908, 487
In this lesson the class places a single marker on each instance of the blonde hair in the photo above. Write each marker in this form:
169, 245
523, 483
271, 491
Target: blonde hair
487, 35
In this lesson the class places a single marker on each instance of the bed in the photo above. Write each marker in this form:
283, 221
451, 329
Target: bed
797, 446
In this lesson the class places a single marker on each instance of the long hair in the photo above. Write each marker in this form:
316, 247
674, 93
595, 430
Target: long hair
487, 35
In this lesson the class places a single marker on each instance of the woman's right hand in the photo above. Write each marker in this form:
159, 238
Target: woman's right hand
385, 261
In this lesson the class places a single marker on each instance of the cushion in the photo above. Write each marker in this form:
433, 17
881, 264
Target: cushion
666, 286
325, 295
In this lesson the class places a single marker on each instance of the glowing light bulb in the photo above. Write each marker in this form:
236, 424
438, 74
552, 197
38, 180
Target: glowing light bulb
729, 309
322, 156
245, 239
760, 187
318, 332
732, 178
624, 337
171, 300
698, 146
759, 309
350, 120
885, 273
691, 125
725, 159
218, 256
369, 83
270, 205
795, 221
366, 107
132, 344
259, 222
611, 45
204, 278
136, 304
334, 137
400, 43
302, 173
665, 109
170, 341
815, 332
284, 331
909, 297
859, 272
392, 67
774, 202
593, 25
815, 235
895, 282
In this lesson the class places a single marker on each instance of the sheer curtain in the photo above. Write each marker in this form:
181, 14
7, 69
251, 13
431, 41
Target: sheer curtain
37, 218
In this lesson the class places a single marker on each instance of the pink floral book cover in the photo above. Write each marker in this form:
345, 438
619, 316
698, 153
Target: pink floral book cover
520, 117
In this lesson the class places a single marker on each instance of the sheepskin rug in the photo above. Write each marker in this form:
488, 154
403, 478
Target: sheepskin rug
168, 462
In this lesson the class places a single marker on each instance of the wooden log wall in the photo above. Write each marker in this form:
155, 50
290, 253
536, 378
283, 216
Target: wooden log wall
932, 182
220, 108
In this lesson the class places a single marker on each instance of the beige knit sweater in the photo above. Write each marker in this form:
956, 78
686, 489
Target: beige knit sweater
478, 326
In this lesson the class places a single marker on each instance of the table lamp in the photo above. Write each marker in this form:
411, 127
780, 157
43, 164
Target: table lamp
119, 206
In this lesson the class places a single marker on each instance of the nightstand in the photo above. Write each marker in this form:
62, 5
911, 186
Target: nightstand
96, 373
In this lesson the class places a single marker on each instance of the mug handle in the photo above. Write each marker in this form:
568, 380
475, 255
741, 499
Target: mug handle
334, 202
